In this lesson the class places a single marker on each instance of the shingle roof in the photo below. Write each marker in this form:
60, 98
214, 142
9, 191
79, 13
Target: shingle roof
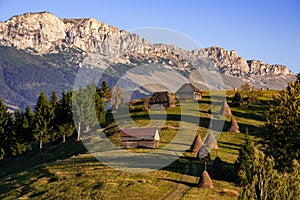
187, 87
138, 132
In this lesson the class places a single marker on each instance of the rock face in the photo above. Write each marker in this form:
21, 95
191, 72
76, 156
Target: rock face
258, 68
230, 63
44, 33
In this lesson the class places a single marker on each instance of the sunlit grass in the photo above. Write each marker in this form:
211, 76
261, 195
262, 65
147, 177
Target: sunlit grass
68, 171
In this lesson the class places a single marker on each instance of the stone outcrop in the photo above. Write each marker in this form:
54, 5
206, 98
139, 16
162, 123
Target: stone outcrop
230, 63
43, 33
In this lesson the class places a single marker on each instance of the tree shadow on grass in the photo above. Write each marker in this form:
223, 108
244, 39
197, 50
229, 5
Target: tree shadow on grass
228, 145
189, 184
194, 167
252, 115
22, 183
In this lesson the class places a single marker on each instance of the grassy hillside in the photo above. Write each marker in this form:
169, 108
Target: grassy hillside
24, 78
68, 171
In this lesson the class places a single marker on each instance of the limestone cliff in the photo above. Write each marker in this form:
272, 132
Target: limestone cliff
43, 33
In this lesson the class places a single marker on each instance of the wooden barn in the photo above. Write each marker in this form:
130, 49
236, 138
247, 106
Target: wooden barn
188, 91
140, 138
162, 98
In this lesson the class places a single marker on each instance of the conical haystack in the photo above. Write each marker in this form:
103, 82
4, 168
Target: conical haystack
225, 110
237, 100
203, 154
210, 141
218, 169
205, 181
196, 144
234, 127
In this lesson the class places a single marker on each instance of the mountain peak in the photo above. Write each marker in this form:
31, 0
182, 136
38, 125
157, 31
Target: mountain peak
32, 16
44, 33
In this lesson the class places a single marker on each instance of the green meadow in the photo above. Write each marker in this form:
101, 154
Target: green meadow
69, 171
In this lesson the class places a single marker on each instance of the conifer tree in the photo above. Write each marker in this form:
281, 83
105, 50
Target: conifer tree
100, 109
5, 128
42, 120
116, 98
53, 126
267, 183
84, 108
245, 160
65, 121
283, 125
105, 91
21, 135
27, 124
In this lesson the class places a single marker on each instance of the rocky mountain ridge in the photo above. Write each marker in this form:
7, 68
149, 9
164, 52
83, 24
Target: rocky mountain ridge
44, 33
41, 52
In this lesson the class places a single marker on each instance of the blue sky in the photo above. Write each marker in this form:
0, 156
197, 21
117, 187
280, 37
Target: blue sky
267, 30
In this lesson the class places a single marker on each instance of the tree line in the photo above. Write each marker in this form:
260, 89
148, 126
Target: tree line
273, 171
52, 119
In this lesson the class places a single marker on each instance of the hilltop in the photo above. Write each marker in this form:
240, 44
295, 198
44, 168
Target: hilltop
70, 171
43, 52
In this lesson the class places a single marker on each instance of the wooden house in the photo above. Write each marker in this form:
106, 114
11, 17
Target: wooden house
188, 91
140, 138
164, 99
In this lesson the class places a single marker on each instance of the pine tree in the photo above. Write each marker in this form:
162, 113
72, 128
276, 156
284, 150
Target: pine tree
21, 135
245, 160
105, 91
283, 125
54, 102
65, 121
100, 109
267, 183
116, 99
42, 120
5, 129
84, 108
27, 124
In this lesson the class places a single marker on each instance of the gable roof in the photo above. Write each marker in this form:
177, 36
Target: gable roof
160, 97
140, 133
187, 87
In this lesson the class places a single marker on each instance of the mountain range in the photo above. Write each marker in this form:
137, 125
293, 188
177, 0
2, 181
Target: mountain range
39, 51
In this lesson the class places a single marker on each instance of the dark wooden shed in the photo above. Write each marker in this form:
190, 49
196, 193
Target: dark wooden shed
188, 91
140, 137
163, 98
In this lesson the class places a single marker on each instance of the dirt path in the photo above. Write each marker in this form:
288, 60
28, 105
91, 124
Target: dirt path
180, 188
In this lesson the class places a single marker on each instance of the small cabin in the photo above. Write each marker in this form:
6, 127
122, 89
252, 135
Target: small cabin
140, 138
164, 99
188, 91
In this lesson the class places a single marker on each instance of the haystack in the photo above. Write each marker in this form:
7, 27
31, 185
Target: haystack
225, 110
218, 169
203, 154
196, 144
210, 141
237, 99
234, 127
205, 181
